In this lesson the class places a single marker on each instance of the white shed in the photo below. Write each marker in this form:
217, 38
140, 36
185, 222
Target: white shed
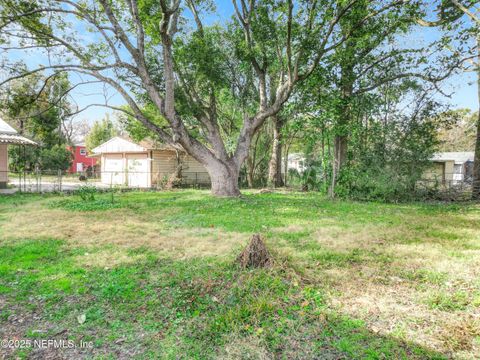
145, 164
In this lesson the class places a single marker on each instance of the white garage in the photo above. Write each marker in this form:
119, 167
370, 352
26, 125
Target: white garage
113, 170
138, 170
145, 164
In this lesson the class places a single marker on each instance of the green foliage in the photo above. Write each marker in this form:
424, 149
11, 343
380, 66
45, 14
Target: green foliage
310, 178
459, 130
36, 107
51, 158
91, 199
57, 157
100, 132
87, 192
388, 165
98, 204
135, 129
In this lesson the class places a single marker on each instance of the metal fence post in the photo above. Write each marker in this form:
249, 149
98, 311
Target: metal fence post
59, 174
37, 179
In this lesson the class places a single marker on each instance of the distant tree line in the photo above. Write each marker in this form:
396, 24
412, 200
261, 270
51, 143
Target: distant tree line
38, 108
340, 81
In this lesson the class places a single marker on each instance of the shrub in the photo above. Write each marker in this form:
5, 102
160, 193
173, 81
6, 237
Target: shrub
87, 192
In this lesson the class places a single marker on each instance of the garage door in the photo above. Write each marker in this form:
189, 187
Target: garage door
138, 171
113, 172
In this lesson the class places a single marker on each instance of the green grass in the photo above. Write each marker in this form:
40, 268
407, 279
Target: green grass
163, 304
186, 309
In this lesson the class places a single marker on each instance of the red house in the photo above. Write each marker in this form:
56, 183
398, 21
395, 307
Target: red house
81, 162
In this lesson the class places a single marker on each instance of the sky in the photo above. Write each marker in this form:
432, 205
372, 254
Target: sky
462, 88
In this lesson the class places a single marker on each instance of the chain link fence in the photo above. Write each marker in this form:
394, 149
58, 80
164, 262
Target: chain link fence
449, 186
61, 181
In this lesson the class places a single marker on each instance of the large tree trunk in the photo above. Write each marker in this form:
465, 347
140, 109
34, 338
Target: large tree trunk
285, 166
476, 163
224, 178
340, 147
250, 172
275, 164
340, 150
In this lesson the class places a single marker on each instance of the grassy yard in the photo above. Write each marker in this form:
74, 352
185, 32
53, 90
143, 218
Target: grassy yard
153, 276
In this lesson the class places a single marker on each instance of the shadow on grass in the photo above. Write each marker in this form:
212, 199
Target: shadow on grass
164, 308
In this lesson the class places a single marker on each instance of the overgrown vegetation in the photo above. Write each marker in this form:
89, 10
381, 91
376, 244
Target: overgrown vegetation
348, 81
38, 108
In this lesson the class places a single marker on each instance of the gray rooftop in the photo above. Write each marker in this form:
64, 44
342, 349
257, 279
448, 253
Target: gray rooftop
458, 157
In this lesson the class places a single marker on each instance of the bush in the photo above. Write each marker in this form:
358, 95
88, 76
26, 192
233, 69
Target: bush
87, 192
55, 158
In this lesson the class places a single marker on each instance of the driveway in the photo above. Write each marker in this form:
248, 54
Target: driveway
49, 186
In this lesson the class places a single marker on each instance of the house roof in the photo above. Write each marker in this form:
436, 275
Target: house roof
6, 129
457, 157
8, 135
120, 144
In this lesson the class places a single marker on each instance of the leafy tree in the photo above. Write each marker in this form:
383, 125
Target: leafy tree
256, 164
100, 132
38, 108
273, 45
459, 134
57, 157
460, 21
366, 60
392, 150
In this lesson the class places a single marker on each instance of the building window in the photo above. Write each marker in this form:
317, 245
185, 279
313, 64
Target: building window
83, 152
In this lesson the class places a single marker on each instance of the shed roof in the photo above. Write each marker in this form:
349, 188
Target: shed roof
8, 135
120, 144
458, 157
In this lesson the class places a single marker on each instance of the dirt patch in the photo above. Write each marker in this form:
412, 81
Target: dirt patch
255, 255
27, 324
244, 348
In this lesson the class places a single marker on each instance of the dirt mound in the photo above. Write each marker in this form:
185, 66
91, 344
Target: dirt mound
255, 255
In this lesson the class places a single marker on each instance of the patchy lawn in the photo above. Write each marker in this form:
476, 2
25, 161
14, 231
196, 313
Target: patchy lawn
151, 275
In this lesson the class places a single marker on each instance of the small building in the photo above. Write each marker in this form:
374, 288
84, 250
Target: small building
451, 168
81, 161
295, 161
8, 136
146, 164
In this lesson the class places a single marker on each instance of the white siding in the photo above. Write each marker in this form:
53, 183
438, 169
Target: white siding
149, 168
193, 172
163, 164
